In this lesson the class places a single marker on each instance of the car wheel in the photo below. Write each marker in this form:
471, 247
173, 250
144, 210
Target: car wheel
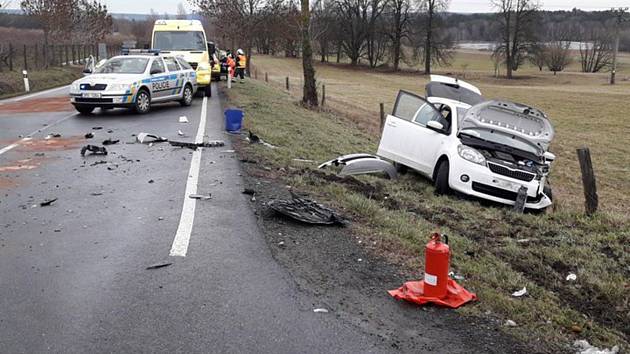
548, 192
208, 90
187, 96
441, 179
143, 102
400, 168
85, 109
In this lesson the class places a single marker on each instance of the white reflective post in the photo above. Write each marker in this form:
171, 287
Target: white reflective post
27, 87
229, 79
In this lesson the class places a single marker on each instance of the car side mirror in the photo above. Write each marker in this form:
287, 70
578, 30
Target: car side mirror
549, 156
155, 71
436, 126
87, 71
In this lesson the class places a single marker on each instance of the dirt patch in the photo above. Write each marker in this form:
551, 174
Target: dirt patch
51, 104
53, 144
20, 165
7, 183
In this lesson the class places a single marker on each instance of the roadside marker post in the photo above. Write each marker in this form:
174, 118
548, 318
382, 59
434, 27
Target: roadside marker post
27, 87
229, 80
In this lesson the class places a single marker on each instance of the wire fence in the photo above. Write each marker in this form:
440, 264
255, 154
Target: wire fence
17, 57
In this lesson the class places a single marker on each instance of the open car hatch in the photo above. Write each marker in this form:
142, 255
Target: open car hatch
509, 124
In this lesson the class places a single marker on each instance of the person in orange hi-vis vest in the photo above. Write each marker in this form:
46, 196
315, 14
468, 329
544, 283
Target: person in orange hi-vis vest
231, 65
241, 64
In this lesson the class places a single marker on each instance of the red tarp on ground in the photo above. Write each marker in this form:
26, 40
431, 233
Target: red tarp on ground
412, 291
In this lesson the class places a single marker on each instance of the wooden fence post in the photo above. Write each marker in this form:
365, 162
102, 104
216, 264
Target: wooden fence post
45, 49
10, 57
266, 77
65, 49
588, 180
323, 95
382, 122
36, 65
287, 83
25, 61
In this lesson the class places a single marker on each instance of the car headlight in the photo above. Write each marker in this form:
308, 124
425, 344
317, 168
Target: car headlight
203, 66
75, 87
117, 87
470, 154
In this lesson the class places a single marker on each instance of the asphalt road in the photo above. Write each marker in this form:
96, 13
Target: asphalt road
73, 275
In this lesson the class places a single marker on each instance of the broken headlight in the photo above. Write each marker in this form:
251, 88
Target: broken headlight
469, 154
75, 87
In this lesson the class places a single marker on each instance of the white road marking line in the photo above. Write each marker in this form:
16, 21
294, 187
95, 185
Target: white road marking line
31, 95
30, 136
182, 236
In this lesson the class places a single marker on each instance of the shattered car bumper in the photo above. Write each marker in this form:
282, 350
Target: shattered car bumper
478, 181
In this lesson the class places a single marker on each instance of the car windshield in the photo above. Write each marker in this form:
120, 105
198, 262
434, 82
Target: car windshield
123, 66
179, 40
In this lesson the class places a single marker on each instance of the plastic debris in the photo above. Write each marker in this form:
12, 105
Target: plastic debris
200, 196
183, 119
255, 139
249, 191
194, 146
307, 211
180, 133
52, 135
97, 128
146, 138
159, 265
584, 347
47, 202
94, 150
96, 193
320, 310
109, 141
510, 323
571, 277
456, 276
520, 292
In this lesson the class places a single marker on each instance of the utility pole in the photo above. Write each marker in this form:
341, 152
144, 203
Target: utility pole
619, 19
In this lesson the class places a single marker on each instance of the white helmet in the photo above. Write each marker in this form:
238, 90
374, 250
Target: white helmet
240, 52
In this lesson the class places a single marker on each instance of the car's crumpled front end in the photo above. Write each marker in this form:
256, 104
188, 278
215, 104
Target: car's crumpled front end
504, 147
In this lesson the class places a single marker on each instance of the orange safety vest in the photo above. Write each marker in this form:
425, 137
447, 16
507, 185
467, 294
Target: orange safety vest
242, 62
230, 62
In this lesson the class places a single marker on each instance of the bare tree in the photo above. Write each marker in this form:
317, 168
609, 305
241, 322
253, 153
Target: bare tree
55, 16
596, 51
557, 55
431, 8
309, 97
399, 11
181, 12
91, 21
236, 20
536, 55
516, 21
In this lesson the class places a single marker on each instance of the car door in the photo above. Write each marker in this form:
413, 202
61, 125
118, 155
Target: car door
405, 138
176, 77
159, 80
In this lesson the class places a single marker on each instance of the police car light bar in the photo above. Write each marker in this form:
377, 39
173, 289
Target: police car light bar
127, 51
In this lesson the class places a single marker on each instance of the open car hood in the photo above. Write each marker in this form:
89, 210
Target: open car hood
508, 123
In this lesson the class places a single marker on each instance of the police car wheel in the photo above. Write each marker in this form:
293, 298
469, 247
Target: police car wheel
143, 102
208, 90
187, 96
84, 109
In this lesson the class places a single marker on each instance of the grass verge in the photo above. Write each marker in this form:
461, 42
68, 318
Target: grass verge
12, 83
497, 251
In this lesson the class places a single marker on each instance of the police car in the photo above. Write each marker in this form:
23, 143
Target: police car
135, 80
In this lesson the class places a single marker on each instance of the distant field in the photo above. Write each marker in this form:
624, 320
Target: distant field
584, 109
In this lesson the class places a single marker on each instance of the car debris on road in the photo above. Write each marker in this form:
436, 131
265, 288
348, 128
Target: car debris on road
183, 119
307, 211
358, 164
194, 146
109, 141
146, 138
47, 202
159, 265
95, 150
89, 135
520, 293
200, 196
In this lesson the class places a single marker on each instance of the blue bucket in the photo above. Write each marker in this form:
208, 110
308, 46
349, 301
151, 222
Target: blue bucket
233, 120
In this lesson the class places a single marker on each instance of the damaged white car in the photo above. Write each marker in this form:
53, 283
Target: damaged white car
489, 149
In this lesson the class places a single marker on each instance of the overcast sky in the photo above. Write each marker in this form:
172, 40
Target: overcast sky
170, 6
